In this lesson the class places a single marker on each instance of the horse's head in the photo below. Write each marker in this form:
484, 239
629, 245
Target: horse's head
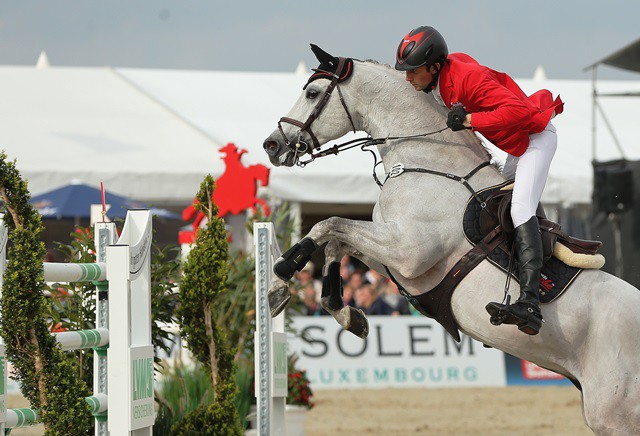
299, 133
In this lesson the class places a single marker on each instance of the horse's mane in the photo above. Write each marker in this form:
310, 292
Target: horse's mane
471, 141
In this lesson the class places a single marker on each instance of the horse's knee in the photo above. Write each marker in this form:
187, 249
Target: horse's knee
326, 229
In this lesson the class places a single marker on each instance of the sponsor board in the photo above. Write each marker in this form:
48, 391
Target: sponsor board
400, 351
142, 412
279, 379
521, 372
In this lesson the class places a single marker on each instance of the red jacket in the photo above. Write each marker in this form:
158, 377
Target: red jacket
500, 110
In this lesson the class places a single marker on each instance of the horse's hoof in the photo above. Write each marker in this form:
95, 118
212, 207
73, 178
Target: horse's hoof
330, 306
353, 320
359, 323
278, 299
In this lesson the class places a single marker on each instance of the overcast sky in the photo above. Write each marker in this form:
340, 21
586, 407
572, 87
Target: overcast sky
507, 35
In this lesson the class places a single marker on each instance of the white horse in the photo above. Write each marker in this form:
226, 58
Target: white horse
591, 334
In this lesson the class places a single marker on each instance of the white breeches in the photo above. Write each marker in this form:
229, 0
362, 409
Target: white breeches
531, 171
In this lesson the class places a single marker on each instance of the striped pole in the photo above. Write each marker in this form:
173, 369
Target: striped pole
99, 403
23, 417
74, 272
81, 339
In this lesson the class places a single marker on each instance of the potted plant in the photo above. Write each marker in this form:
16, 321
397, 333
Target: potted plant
298, 402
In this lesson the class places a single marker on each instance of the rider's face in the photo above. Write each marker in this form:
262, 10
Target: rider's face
421, 77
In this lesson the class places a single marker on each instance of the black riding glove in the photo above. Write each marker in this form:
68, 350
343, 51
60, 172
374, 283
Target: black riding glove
456, 118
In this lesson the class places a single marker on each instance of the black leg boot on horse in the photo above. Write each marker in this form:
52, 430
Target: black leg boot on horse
285, 267
350, 318
525, 312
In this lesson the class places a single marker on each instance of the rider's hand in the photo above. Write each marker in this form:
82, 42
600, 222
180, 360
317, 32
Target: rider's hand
458, 118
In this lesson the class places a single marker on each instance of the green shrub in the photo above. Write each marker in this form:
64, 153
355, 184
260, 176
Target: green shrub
204, 281
48, 380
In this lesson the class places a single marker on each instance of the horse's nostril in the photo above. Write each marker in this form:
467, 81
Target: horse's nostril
271, 147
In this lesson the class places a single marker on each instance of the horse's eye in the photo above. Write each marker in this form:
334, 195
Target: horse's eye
311, 94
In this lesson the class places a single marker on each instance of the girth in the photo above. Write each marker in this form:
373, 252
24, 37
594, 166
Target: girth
436, 303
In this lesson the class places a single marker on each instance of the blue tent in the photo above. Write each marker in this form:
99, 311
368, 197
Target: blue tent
75, 200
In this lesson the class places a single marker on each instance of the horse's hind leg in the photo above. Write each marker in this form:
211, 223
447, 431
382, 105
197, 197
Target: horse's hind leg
350, 318
612, 408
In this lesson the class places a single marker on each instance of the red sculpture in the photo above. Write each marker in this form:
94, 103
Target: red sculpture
235, 191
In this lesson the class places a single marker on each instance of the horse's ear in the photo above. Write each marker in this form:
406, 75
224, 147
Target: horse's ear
323, 56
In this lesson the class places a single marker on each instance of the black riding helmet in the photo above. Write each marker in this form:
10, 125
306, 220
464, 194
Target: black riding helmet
422, 46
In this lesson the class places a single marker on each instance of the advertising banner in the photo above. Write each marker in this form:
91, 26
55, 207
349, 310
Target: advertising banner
400, 351
523, 373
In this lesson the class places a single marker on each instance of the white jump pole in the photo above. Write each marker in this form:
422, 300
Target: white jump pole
75, 272
81, 339
130, 356
270, 340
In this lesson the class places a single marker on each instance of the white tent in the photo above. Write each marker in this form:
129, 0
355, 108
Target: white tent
153, 134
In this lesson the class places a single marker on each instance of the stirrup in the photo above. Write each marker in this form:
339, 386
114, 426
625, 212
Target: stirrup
502, 314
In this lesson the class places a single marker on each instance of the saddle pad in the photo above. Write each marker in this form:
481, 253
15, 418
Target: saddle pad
556, 276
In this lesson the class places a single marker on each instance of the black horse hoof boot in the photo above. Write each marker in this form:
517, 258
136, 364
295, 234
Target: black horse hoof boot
294, 259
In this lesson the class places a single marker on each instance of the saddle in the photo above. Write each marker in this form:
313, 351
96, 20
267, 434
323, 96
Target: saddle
489, 228
497, 212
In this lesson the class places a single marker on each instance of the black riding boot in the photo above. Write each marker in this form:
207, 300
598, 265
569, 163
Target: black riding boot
525, 312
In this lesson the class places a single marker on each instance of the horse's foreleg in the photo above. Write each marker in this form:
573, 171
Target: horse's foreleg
383, 243
409, 253
278, 295
294, 259
350, 318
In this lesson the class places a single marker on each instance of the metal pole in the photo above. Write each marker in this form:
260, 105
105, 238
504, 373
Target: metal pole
594, 96
105, 234
269, 340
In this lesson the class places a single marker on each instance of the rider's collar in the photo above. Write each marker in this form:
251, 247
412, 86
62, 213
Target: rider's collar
437, 96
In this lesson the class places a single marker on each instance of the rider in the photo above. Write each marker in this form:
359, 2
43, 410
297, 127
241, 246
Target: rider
492, 104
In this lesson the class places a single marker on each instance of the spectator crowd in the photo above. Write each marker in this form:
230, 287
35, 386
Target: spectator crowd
362, 288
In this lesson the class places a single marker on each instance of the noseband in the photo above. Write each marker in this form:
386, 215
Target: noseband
300, 145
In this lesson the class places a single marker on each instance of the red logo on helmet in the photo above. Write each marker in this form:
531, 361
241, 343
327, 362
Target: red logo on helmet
408, 44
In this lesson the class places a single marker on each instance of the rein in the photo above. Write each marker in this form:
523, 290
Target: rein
300, 147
